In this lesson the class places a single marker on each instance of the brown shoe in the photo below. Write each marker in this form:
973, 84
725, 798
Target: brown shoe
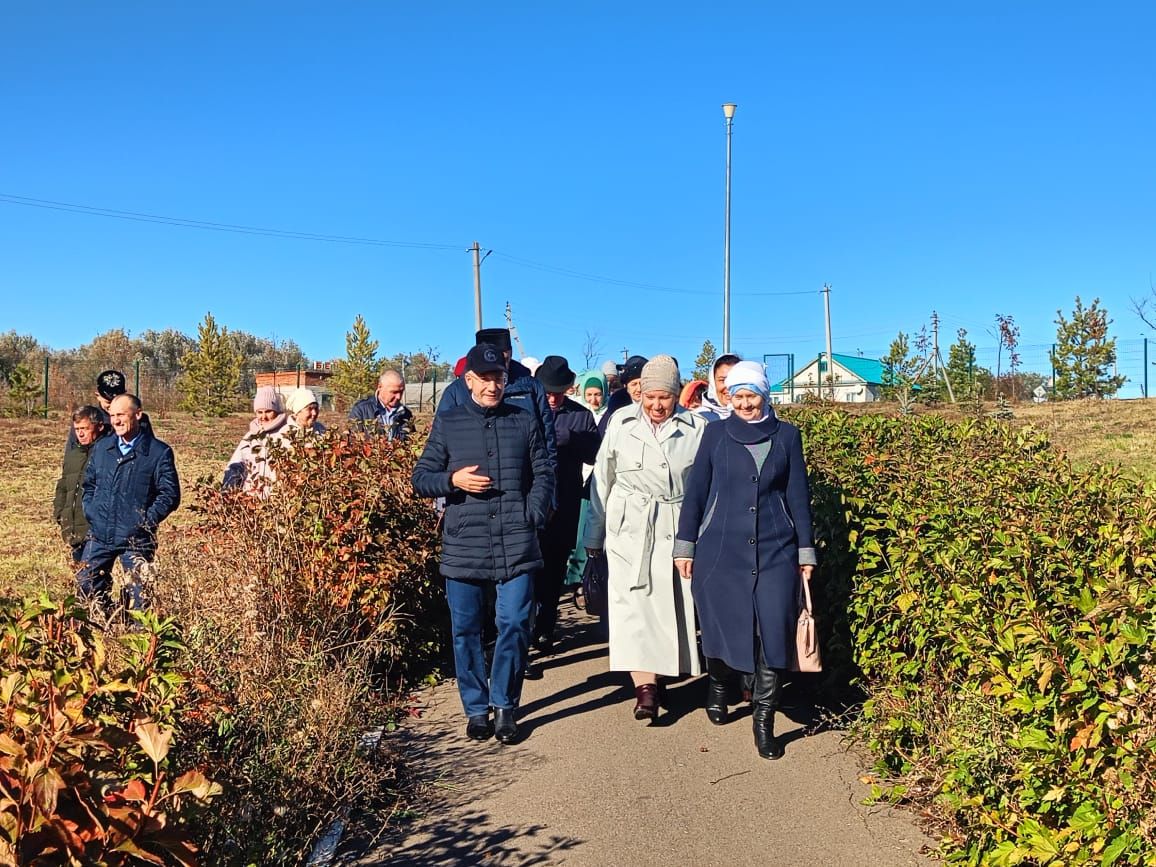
646, 701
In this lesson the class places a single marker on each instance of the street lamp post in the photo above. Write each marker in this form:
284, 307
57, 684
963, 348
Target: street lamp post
729, 113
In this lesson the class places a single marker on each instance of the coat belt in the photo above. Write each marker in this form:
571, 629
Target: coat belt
650, 504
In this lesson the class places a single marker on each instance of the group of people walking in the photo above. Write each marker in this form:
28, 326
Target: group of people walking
701, 512
692, 497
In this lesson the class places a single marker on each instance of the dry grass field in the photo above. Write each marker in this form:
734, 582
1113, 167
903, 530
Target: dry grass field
32, 555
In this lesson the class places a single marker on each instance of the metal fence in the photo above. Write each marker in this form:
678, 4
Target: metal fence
65, 384
1135, 360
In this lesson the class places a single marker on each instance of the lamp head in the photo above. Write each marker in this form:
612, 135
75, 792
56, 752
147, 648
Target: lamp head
729, 110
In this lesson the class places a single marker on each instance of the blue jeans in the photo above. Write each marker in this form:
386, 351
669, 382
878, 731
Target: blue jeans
95, 574
512, 611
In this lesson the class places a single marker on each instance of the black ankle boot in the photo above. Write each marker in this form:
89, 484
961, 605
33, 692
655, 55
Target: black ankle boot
717, 689
764, 702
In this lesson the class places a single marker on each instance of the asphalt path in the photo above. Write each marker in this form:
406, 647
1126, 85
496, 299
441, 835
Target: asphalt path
589, 785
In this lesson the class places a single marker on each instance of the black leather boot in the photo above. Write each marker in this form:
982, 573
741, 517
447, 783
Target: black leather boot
764, 702
505, 729
719, 676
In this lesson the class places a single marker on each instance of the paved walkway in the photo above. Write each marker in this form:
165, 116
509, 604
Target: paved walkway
590, 785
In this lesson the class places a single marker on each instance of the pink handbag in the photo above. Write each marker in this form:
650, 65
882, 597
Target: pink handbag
806, 638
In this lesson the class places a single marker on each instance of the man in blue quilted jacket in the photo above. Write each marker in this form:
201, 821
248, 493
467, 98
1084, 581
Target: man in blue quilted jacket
488, 459
130, 486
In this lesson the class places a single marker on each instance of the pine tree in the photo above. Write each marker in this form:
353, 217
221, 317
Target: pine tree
212, 372
1084, 353
23, 392
961, 371
900, 369
705, 361
355, 376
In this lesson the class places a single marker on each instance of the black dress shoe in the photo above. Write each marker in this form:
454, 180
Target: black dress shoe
479, 728
505, 729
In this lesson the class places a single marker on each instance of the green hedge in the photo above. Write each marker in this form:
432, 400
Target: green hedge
998, 609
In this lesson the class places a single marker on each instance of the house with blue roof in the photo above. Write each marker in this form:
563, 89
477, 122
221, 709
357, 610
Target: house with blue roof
851, 379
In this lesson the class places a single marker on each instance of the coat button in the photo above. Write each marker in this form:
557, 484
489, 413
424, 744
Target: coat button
752, 509
663, 466
493, 516
750, 541
754, 478
754, 571
490, 453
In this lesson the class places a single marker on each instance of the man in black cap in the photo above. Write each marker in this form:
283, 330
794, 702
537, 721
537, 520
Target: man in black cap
110, 384
487, 458
521, 388
577, 439
630, 374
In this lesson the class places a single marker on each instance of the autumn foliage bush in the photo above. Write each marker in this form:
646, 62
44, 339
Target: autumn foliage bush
999, 611
309, 614
86, 775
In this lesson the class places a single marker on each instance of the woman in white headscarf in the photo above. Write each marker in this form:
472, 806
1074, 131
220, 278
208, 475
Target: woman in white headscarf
745, 543
635, 497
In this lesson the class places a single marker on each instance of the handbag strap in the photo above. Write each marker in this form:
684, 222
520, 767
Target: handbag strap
806, 594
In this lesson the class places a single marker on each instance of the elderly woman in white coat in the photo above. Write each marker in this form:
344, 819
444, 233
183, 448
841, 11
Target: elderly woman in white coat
635, 497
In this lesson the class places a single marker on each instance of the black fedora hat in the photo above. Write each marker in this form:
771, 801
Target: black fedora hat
555, 374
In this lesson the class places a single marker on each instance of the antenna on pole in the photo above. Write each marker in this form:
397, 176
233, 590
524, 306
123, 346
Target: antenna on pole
935, 359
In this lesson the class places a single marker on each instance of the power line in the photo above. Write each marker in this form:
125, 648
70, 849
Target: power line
241, 229
140, 217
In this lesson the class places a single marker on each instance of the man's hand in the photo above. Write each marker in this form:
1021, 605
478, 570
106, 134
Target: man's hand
594, 552
469, 481
684, 566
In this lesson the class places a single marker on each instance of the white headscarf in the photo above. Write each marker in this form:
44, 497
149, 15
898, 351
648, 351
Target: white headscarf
750, 376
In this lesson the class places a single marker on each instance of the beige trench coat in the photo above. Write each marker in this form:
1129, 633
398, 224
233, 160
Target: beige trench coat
635, 498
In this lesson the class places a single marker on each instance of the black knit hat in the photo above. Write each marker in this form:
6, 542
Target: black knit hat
632, 369
499, 337
110, 384
555, 374
485, 358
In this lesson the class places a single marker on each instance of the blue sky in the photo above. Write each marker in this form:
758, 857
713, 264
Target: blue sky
971, 158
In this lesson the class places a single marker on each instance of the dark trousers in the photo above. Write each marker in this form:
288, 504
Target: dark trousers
513, 606
94, 578
556, 542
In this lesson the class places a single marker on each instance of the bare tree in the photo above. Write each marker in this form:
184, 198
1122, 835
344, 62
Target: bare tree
591, 349
1145, 307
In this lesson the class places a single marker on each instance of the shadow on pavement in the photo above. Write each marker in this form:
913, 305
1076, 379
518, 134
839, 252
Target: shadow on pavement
464, 838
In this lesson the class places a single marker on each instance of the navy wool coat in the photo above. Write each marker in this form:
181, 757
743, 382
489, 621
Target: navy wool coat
491, 536
745, 529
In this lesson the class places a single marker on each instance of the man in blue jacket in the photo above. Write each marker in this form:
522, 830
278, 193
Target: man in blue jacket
130, 486
383, 411
522, 390
487, 458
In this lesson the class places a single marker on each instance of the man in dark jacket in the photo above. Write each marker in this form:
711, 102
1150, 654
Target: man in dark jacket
383, 411
89, 428
577, 438
130, 486
522, 390
630, 375
487, 458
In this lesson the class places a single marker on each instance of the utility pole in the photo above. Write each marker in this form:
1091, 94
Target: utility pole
625, 354
935, 344
826, 290
477, 251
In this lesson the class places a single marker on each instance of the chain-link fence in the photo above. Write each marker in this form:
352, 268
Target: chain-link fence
1135, 360
61, 385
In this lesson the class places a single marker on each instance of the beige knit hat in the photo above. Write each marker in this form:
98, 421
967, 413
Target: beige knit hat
661, 373
299, 398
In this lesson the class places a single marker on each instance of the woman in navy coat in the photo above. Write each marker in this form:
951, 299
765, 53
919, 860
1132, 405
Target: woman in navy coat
744, 540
